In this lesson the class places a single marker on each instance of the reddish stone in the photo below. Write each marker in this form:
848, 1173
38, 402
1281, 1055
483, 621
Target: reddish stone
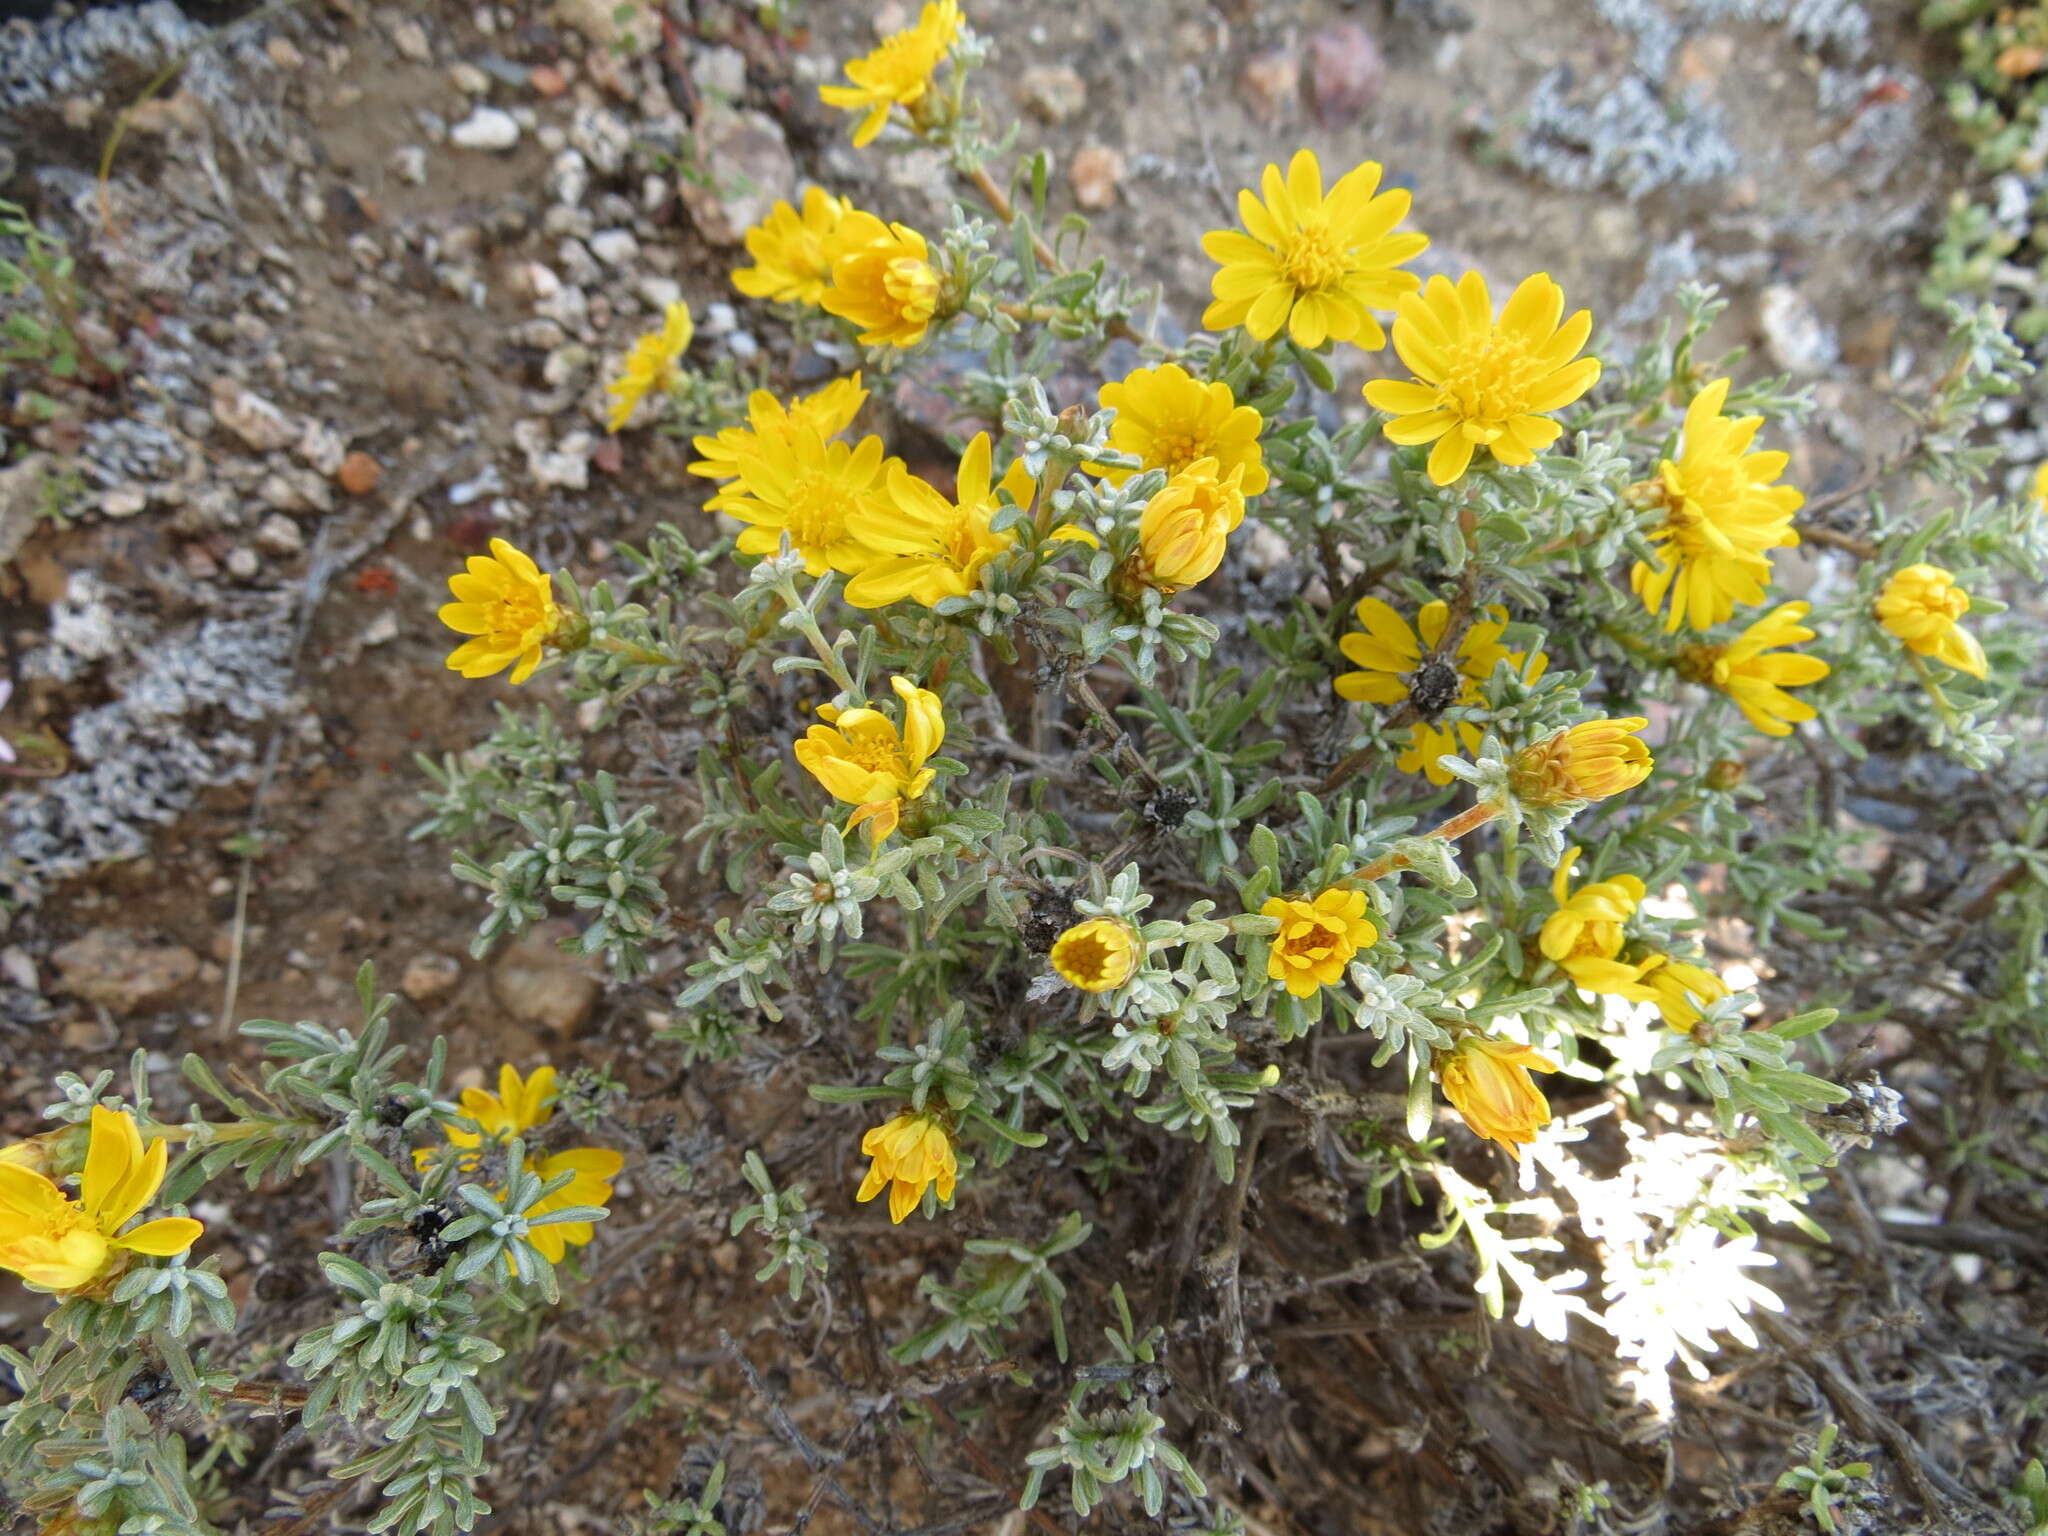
359, 474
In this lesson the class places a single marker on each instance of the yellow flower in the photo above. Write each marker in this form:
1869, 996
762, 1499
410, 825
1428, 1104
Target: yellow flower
1317, 938
1588, 922
1169, 418
883, 281
1099, 955
1402, 666
56, 1243
897, 72
812, 490
522, 1105
1592, 760
651, 364
927, 547
1746, 670
1488, 1083
1920, 605
1318, 265
1482, 382
1184, 530
1677, 987
1722, 514
909, 1152
791, 250
2040, 493
861, 758
828, 412
508, 603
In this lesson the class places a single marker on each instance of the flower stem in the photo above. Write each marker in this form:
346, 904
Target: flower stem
807, 624
1450, 831
1005, 211
1932, 684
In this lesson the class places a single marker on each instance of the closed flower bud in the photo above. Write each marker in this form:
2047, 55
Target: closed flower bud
1592, 760
1920, 605
1099, 955
1186, 527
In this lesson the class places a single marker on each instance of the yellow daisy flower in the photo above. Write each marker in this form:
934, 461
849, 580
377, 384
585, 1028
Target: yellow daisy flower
2040, 491
1169, 418
927, 547
1099, 955
1677, 987
791, 250
1481, 381
883, 281
1920, 605
812, 490
1317, 938
1591, 761
1402, 665
1317, 265
909, 1152
1722, 515
862, 759
521, 1105
828, 412
1184, 530
651, 364
1588, 922
1752, 671
508, 604
1487, 1082
56, 1243
896, 73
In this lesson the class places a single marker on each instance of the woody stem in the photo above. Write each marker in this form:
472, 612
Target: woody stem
1450, 831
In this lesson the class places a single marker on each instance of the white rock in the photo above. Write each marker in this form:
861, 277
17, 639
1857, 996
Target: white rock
321, 448
659, 292
1798, 340
614, 247
720, 74
279, 535
409, 164
381, 630
410, 39
536, 280
719, 319
123, 500
630, 29
569, 178
242, 563
279, 492
486, 128
603, 137
469, 80
250, 417
746, 167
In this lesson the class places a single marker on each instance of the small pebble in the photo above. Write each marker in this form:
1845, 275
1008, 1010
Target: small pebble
486, 128
359, 474
242, 563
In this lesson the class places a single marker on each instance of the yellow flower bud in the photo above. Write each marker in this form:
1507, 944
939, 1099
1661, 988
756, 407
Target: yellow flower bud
1099, 955
1488, 1083
1185, 528
909, 1152
1592, 760
1920, 605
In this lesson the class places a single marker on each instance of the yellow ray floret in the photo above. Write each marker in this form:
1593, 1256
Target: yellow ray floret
651, 364
1316, 265
1483, 381
1920, 605
828, 412
929, 548
508, 604
1317, 938
56, 1243
897, 72
791, 250
1588, 923
1591, 761
1722, 517
1754, 670
864, 760
1169, 419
